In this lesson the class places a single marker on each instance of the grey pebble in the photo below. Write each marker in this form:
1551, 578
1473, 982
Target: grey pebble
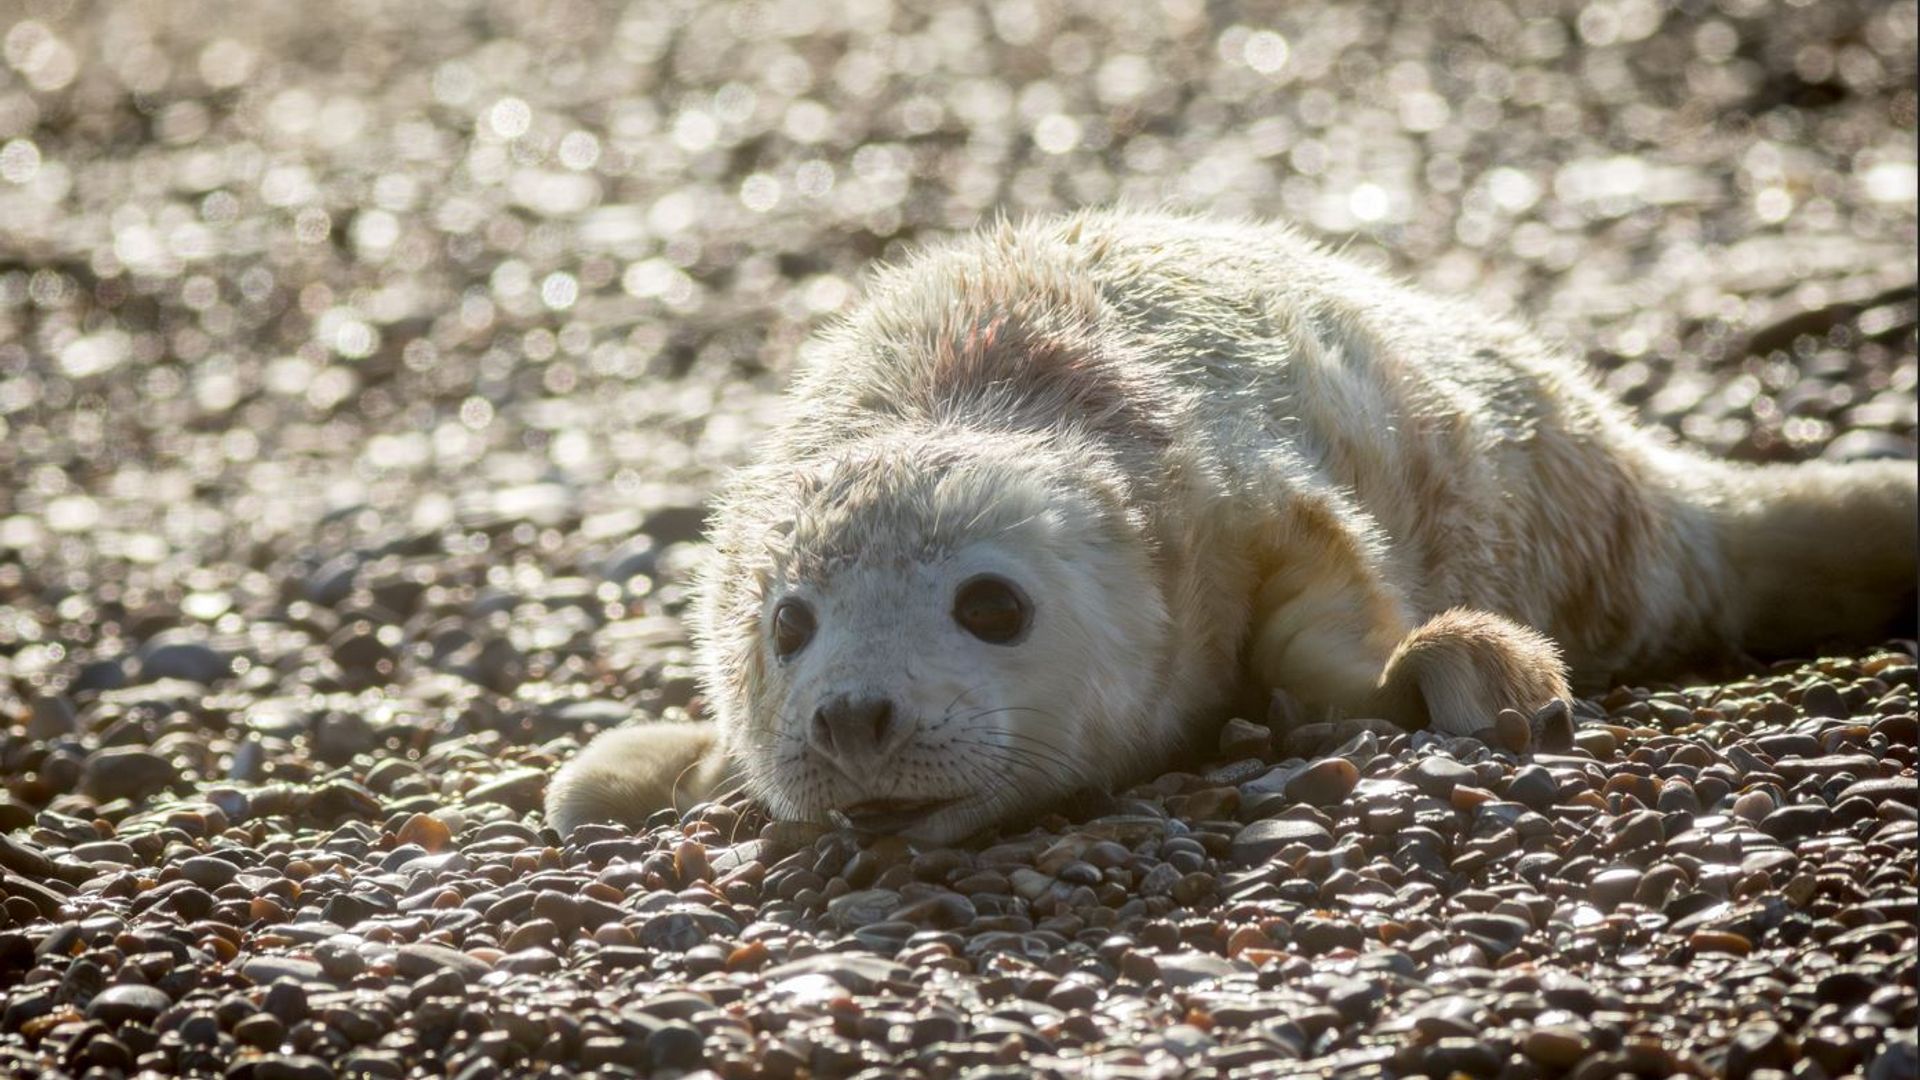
127, 772
417, 960
1255, 843
128, 1003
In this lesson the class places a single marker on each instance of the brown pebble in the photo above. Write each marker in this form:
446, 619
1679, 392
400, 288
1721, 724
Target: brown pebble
1140, 967
1207, 804
615, 934
262, 1031
1720, 941
1467, 797
426, 830
1610, 888
1324, 783
1658, 884
1556, 1047
1512, 730
749, 957
1753, 805
533, 932
1599, 742
1247, 937
690, 861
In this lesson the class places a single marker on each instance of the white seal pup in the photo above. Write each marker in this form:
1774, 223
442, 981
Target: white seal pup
1058, 492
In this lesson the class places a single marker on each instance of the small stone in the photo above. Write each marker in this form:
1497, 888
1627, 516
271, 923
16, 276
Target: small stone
1513, 731
1460, 1055
690, 861
853, 971
1556, 1047
1758, 1045
1597, 741
676, 1045
1719, 941
1823, 699
262, 1031
1534, 787
1187, 968
1437, 776
126, 772
1324, 783
1256, 843
266, 969
1244, 738
51, 717
529, 934
1898, 1059
860, 908
1611, 888
1793, 823
339, 737
1894, 789
207, 871
426, 830
105, 1052
416, 960
128, 1003
339, 956
182, 654
1678, 796
1207, 804
673, 931
1753, 805
1553, 727
1789, 744
537, 960
292, 1067
384, 776
520, 789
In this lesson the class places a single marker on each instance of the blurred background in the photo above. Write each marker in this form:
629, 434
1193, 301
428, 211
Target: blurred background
356, 346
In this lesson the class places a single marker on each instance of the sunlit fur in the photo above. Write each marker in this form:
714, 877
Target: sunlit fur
1213, 453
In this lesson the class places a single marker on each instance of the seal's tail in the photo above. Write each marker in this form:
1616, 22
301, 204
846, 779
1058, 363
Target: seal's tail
1821, 552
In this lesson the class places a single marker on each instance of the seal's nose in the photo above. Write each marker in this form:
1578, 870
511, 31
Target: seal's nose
849, 729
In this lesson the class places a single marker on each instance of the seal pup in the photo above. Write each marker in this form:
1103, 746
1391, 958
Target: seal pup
1058, 492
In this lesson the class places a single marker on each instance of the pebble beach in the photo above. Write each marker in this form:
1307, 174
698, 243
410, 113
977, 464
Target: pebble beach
364, 371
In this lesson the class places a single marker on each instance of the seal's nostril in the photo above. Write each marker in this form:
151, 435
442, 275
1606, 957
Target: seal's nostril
823, 729
850, 727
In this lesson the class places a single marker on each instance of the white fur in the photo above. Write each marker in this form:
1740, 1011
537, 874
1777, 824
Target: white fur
1214, 453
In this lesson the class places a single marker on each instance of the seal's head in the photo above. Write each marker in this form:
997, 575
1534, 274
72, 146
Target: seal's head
928, 632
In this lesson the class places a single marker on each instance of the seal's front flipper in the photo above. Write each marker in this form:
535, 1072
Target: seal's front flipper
1456, 671
628, 773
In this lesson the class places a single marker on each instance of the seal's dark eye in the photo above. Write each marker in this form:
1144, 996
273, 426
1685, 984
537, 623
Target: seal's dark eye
792, 627
992, 610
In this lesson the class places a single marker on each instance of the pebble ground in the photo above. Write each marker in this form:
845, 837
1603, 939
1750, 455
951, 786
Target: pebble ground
363, 368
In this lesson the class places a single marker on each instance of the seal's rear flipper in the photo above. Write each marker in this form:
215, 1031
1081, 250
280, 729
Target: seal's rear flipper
1820, 553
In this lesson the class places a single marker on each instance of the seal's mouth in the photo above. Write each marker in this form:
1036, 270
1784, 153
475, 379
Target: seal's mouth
887, 815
